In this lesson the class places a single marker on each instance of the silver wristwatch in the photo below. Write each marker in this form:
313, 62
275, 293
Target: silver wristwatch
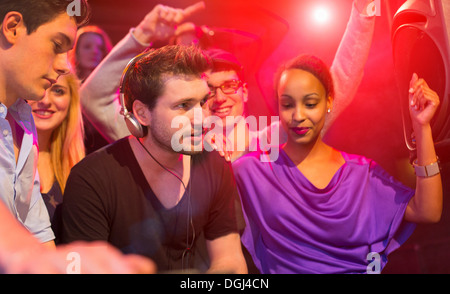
426, 171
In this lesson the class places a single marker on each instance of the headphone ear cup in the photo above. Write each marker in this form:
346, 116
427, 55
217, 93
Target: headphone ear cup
134, 126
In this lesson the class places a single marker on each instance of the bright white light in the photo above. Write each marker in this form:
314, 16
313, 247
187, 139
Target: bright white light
321, 14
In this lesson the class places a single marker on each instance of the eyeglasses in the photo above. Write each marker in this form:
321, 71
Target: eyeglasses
229, 87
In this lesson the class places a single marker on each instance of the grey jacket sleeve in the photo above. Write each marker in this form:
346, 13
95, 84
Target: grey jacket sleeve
100, 92
347, 69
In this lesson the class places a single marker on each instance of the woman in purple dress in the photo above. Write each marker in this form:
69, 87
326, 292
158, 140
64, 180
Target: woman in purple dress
320, 210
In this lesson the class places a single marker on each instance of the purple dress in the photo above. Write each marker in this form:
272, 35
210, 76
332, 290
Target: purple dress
294, 227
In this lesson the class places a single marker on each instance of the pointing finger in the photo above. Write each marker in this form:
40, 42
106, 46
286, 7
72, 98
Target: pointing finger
188, 11
414, 79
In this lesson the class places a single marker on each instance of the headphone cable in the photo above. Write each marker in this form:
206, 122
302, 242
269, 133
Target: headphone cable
189, 214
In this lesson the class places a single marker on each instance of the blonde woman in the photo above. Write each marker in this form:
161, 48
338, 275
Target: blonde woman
60, 131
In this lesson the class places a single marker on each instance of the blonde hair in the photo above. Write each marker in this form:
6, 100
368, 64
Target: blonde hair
67, 140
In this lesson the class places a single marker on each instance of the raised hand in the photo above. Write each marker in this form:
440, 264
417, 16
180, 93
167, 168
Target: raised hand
162, 21
422, 100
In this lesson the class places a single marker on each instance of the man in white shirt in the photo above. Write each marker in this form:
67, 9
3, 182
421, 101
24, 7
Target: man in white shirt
35, 36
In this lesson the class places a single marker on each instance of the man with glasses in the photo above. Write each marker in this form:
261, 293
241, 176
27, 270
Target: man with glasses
228, 98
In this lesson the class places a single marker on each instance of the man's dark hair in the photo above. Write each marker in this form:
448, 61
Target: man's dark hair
38, 12
225, 61
147, 76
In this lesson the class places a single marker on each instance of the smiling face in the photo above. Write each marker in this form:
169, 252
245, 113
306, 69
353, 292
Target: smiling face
50, 112
36, 60
223, 105
303, 105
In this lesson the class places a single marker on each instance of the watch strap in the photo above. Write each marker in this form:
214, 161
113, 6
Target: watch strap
426, 171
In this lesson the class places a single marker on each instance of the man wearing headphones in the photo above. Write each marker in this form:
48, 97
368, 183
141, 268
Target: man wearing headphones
144, 197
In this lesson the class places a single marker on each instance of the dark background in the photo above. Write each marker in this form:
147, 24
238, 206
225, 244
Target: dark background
268, 32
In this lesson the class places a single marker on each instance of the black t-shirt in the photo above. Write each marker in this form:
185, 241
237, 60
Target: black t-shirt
53, 200
108, 198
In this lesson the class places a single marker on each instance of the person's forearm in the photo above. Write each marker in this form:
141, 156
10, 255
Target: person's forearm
16, 241
348, 64
229, 266
226, 256
427, 202
99, 92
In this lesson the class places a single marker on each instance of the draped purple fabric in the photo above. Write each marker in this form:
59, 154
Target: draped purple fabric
294, 227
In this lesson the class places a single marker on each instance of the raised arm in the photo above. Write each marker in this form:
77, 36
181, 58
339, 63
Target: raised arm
99, 96
348, 64
426, 205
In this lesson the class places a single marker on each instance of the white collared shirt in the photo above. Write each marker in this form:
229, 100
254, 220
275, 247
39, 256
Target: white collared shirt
19, 182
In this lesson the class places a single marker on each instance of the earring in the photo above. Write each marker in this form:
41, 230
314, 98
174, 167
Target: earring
329, 110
